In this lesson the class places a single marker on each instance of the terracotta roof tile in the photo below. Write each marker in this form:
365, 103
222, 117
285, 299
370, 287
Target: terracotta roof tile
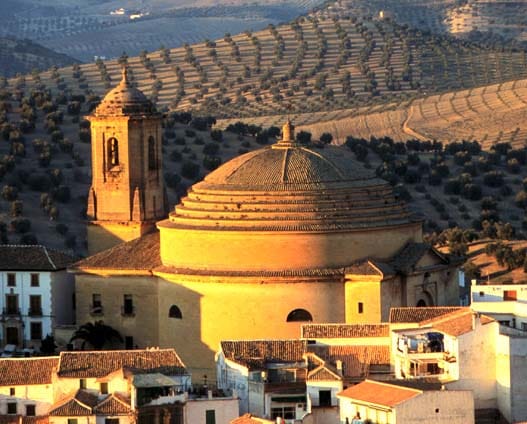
96, 364
23, 371
323, 373
35, 420
9, 419
456, 323
113, 405
356, 360
379, 393
249, 419
255, 354
141, 254
79, 405
416, 314
33, 258
314, 331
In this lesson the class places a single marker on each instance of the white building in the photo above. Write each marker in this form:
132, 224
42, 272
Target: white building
36, 293
384, 403
107, 387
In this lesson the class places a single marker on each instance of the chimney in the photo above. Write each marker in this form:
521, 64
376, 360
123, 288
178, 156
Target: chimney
338, 364
209, 394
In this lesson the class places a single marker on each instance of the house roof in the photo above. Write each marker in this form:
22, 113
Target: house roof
33, 258
249, 419
78, 405
370, 267
315, 331
255, 354
417, 314
378, 393
24, 371
356, 359
94, 364
141, 254
18, 419
114, 404
457, 322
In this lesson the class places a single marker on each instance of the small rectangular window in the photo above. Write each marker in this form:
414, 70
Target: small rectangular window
104, 388
360, 307
72, 421
128, 304
11, 408
11, 280
36, 331
210, 416
111, 421
129, 342
30, 410
35, 280
35, 305
481, 294
12, 391
82, 383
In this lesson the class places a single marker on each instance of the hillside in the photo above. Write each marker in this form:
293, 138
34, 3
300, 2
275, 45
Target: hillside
23, 56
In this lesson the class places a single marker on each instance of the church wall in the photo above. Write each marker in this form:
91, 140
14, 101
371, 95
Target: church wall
215, 311
368, 293
253, 250
143, 326
438, 289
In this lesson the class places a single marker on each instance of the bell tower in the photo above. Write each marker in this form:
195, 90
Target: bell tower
127, 195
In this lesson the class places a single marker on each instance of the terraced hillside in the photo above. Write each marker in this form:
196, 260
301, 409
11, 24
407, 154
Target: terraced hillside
108, 27
491, 114
483, 20
22, 56
308, 66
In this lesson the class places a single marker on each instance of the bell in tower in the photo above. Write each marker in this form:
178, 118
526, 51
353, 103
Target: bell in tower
127, 195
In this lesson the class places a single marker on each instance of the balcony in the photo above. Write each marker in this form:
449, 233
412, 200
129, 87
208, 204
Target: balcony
11, 312
34, 312
128, 311
96, 310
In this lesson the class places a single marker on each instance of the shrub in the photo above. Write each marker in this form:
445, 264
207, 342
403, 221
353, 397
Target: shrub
28, 239
210, 163
172, 180
62, 229
20, 225
175, 156
17, 208
9, 193
521, 199
190, 170
211, 149
62, 194
493, 178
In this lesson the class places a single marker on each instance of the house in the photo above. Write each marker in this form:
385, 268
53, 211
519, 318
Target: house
385, 403
108, 387
293, 378
37, 293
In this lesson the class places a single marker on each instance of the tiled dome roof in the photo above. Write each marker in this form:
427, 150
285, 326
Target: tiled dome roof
124, 100
289, 186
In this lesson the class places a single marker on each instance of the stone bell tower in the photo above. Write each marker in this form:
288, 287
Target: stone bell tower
127, 195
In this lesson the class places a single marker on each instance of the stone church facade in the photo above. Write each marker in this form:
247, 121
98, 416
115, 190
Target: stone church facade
272, 239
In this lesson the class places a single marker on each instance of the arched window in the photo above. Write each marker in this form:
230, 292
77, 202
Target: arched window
113, 152
152, 161
299, 315
175, 312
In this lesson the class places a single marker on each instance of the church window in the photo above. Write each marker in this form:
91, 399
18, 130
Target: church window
299, 315
360, 307
175, 312
152, 161
113, 152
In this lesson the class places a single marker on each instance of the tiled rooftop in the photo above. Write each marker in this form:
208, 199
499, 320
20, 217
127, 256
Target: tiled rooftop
18, 372
378, 393
254, 354
457, 322
94, 364
141, 254
113, 405
416, 314
33, 258
79, 405
249, 419
315, 331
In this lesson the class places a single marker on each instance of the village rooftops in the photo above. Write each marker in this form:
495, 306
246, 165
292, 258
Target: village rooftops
33, 258
417, 314
96, 364
27, 371
332, 331
377, 393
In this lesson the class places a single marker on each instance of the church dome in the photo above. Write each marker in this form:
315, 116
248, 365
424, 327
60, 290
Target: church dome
125, 100
284, 196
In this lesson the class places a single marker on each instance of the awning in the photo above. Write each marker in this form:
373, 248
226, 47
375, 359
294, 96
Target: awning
152, 380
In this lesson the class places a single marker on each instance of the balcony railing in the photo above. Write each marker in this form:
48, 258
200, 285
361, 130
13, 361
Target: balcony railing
96, 310
11, 311
128, 311
34, 312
